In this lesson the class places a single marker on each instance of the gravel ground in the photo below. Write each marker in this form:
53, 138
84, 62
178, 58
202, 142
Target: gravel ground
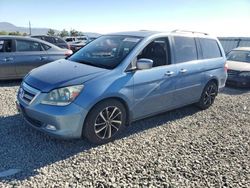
181, 148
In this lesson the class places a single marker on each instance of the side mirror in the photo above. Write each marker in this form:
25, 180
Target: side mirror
144, 64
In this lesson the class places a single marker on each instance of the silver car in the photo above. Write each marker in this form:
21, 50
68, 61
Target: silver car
19, 55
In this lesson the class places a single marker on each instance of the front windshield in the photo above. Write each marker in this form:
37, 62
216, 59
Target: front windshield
106, 51
242, 56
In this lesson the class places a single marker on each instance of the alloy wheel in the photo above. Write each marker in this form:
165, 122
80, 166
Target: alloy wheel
210, 95
108, 122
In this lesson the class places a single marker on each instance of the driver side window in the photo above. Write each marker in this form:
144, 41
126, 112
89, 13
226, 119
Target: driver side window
158, 51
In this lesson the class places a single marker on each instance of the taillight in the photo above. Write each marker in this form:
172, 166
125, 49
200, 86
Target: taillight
226, 67
68, 53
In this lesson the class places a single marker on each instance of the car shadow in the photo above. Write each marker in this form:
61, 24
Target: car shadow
10, 83
231, 90
26, 149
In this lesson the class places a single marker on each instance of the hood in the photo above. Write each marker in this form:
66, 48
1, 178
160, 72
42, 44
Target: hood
61, 73
238, 66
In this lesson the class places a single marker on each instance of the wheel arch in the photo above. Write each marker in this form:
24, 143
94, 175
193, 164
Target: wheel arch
212, 79
121, 100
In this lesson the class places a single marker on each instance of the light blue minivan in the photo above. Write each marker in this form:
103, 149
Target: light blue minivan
119, 78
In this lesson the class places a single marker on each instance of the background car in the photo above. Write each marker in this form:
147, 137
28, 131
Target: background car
238, 61
78, 45
75, 43
53, 40
19, 55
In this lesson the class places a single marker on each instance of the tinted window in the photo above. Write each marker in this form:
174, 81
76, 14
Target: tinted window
185, 49
5, 45
210, 48
69, 39
58, 40
241, 56
50, 39
24, 46
106, 51
156, 51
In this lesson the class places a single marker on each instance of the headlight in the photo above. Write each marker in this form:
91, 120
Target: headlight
62, 96
245, 74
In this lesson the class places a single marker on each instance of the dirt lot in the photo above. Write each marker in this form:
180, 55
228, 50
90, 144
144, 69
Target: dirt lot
181, 148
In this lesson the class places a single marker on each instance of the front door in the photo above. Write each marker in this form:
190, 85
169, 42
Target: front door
154, 88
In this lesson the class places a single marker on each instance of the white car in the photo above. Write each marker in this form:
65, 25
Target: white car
238, 61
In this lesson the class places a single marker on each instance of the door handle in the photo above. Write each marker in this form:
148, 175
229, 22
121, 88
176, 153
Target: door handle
183, 70
42, 58
169, 73
8, 59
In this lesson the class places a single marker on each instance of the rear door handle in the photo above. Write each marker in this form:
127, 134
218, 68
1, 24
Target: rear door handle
183, 70
169, 73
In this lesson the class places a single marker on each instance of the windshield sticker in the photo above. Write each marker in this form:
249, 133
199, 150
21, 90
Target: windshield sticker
131, 40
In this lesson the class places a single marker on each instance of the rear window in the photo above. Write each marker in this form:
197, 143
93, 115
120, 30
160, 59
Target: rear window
210, 48
185, 49
25, 46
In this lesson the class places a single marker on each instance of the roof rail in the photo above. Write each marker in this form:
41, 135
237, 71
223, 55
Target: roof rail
186, 31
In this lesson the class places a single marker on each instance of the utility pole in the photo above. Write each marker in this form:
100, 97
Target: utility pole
30, 28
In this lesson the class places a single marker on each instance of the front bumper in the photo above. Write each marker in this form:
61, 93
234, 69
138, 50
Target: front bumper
68, 120
238, 82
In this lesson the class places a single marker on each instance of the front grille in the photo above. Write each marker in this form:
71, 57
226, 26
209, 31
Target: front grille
232, 73
27, 96
27, 93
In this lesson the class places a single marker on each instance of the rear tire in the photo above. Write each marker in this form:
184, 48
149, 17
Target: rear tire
105, 121
208, 95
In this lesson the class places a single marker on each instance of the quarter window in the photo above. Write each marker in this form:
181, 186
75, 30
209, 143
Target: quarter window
185, 49
210, 48
24, 46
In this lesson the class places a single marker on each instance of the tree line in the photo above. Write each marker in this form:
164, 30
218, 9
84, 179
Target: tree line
64, 33
13, 33
50, 32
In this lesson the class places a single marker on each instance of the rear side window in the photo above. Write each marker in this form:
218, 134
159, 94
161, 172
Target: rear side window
5, 45
210, 48
26, 46
185, 49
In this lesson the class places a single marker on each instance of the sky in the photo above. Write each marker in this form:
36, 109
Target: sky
217, 17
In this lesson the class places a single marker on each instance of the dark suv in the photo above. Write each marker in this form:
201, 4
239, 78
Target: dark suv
54, 40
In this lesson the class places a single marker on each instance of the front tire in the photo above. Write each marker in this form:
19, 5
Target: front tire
105, 122
208, 95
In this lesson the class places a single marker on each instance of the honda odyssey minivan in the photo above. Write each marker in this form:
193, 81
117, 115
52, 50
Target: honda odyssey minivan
119, 78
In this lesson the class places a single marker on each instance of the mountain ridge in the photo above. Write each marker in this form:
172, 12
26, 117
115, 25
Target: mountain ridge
9, 27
